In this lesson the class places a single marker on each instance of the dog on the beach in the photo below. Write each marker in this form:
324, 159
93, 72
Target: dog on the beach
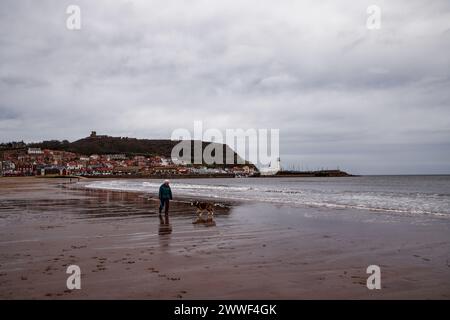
202, 207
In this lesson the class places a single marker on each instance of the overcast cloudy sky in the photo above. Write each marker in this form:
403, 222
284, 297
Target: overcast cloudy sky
368, 101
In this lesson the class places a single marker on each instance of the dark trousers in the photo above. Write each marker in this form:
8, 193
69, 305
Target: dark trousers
164, 203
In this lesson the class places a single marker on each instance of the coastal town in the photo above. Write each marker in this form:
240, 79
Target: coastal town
104, 156
18, 159
38, 162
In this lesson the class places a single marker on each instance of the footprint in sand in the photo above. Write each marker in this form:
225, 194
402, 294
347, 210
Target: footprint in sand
359, 280
424, 259
78, 247
47, 270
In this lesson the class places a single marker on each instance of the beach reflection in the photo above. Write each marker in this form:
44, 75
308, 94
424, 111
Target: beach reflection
209, 222
164, 225
164, 231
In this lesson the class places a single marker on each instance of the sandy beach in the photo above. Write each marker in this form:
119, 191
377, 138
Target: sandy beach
253, 251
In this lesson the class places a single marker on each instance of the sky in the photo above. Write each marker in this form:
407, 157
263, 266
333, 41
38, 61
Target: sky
369, 101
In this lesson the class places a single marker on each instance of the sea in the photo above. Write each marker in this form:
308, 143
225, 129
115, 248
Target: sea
418, 196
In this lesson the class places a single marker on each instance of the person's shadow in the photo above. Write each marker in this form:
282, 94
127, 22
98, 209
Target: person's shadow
164, 225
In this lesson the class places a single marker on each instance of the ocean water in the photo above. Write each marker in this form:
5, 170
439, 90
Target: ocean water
406, 195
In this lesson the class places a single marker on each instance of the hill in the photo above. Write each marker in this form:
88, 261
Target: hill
96, 144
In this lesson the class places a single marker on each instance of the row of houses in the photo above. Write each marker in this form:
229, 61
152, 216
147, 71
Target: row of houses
54, 162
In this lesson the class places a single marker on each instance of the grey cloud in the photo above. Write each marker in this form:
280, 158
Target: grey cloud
144, 68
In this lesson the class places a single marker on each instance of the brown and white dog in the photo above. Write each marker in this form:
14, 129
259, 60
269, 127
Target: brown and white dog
204, 206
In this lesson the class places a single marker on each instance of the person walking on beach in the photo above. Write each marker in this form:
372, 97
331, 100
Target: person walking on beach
165, 195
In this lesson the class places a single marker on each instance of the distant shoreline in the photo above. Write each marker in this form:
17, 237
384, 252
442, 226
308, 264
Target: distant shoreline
282, 174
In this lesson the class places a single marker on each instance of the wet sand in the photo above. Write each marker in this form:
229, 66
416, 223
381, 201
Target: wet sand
254, 250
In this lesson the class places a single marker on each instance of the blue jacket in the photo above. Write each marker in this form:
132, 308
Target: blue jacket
165, 192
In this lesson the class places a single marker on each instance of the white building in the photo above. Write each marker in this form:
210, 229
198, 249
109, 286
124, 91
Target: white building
118, 156
273, 168
35, 151
165, 162
179, 162
74, 166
